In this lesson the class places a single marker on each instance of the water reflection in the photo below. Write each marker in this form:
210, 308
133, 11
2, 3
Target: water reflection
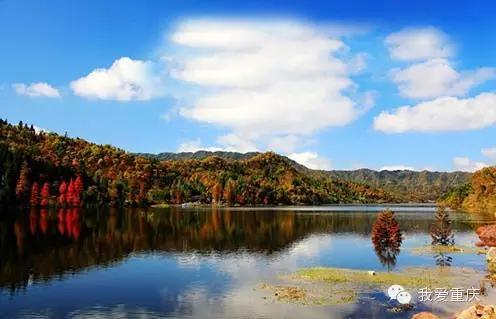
185, 261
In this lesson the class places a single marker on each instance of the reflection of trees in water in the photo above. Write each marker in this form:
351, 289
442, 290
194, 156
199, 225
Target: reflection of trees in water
443, 260
387, 238
44, 244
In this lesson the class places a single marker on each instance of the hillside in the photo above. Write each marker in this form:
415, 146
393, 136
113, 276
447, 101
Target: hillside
404, 185
410, 186
47, 169
479, 195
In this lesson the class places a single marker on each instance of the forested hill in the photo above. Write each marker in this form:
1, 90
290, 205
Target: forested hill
404, 185
412, 186
478, 195
47, 169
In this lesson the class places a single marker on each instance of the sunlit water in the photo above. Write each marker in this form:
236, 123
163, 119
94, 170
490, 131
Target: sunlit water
197, 263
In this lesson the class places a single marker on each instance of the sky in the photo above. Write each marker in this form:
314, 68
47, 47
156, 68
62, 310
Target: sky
331, 84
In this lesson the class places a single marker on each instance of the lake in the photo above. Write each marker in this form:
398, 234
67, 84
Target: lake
202, 263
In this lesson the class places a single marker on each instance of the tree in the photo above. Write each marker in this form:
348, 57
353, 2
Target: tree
442, 235
45, 195
70, 193
78, 191
442, 230
216, 193
22, 186
35, 195
229, 191
62, 199
387, 238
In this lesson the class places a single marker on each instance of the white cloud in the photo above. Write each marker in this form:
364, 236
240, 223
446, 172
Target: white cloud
419, 44
311, 160
125, 80
195, 146
465, 164
227, 143
436, 77
38, 89
397, 168
266, 80
442, 114
489, 153
284, 144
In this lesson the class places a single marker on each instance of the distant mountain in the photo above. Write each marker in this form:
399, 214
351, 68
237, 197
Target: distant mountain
168, 156
404, 185
413, 186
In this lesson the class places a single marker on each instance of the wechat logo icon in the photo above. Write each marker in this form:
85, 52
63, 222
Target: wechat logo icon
396, 292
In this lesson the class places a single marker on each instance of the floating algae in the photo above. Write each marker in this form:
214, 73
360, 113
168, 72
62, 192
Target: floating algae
441, 249
331, 286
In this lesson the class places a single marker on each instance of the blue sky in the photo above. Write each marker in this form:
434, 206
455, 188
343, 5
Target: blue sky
340, 85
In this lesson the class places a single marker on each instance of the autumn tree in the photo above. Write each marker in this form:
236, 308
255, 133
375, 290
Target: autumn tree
442, 230
387, 238
22, 186
78, 191
62, 199
229, 191
216, 193
35, 195
45, 195
70, 193
442, 235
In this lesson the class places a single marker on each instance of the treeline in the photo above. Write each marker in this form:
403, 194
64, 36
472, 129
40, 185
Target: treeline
47, 169
404, 185
478, 195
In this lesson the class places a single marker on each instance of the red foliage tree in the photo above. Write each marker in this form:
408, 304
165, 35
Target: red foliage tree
35, 195
70, 193
62, 199
387, 238
45, 195
78, 191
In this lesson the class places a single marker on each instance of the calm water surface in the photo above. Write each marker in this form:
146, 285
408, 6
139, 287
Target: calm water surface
197, 263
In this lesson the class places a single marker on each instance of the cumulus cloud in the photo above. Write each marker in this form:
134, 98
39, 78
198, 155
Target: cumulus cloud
266, 80
436, 77
38, 89
124, 80
467, 165
311, 160
397, 168
418, 44
442, 114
